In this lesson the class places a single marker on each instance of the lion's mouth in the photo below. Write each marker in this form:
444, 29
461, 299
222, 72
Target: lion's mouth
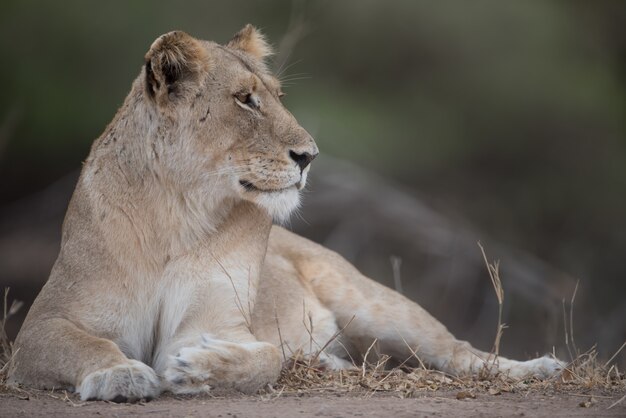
250, 187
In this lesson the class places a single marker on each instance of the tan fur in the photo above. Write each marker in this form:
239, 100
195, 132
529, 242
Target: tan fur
251, 41
171, 275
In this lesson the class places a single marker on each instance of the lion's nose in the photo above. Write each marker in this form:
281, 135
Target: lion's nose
303, 159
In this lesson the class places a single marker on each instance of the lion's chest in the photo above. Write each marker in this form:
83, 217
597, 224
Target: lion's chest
221, 293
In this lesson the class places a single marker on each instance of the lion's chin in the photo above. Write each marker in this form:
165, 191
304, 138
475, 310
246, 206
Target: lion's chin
279, 204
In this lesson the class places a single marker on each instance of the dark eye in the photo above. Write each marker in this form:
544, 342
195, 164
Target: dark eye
249, 100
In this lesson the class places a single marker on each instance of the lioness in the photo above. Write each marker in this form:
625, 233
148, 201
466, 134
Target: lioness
170, 274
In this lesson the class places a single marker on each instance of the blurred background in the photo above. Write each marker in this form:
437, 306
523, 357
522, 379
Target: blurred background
440, 124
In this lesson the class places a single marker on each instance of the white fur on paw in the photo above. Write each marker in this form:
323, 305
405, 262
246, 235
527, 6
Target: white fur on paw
183, 375
189, 371
128, 382
211, 362
332, 362
542, 368
546, 367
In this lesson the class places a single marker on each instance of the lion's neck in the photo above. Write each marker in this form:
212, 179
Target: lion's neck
158, 217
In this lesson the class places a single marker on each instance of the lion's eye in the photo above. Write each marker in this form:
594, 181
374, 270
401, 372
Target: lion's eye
249, 100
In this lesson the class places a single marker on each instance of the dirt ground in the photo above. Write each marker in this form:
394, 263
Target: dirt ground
426, 404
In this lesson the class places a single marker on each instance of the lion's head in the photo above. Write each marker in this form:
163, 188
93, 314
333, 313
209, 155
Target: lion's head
223, 125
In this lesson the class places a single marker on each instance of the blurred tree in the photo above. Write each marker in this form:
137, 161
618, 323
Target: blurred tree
509, 114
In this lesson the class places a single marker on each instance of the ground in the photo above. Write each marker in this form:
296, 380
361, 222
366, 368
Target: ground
304, 391
426, 404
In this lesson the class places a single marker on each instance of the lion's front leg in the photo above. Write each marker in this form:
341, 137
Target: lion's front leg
211, 363
57, 353
205, 337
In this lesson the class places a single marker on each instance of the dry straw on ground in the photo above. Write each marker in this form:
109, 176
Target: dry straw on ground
6, 347
585, 375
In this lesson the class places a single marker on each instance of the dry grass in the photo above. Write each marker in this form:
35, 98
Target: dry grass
494, 274
585, 376
6, 347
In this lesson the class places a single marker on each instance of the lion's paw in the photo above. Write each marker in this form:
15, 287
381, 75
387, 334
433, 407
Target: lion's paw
122, 383
333, 362
183, 374
542, 368
193, 369
213, 362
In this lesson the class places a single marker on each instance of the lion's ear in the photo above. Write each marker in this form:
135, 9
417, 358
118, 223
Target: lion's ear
173, 66
250, 40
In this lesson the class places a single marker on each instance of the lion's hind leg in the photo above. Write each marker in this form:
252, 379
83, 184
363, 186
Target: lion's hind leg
460, 358
407, 332
372, 315
289, 315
